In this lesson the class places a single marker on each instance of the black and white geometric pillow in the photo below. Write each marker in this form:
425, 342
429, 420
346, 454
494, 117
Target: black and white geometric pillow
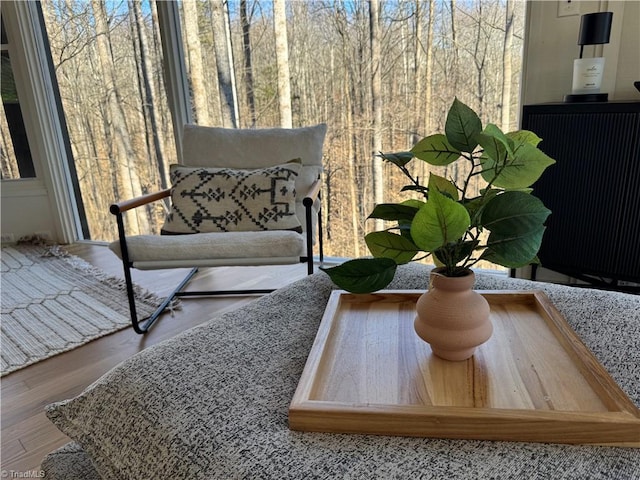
227, 200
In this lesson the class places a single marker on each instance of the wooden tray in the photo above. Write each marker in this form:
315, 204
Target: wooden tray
534, 380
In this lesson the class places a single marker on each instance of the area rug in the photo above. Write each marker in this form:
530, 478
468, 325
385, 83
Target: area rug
53, 302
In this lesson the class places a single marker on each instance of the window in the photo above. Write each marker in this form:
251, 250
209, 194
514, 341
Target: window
430, 52
107, 59
14, 144
109, 67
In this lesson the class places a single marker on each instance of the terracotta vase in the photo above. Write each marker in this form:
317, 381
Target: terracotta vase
452, 317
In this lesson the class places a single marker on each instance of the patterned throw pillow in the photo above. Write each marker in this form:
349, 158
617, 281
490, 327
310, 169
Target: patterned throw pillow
227, 200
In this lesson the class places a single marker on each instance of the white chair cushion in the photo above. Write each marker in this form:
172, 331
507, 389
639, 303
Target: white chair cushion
197, 249
256, 148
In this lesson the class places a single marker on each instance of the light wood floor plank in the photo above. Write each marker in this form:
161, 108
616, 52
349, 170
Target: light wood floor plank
27, 435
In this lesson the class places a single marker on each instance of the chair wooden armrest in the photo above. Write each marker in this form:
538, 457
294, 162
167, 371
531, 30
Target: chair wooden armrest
138, 201
312, 194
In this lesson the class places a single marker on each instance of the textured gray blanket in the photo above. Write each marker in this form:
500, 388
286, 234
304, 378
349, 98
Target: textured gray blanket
212, 403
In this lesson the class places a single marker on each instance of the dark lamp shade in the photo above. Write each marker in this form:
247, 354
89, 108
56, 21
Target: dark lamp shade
595, 28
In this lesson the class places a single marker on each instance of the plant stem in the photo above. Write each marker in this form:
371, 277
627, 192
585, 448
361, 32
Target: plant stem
467, 181
415, 181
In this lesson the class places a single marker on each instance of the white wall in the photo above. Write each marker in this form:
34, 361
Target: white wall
551, 46
26, 209
628, 70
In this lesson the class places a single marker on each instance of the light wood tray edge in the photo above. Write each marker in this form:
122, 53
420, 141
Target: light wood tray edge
624, 415
597, 376
466, 423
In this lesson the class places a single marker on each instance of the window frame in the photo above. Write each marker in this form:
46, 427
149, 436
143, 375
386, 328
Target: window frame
39, 100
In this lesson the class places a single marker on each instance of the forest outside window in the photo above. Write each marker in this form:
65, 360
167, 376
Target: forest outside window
108, 65
381, 75
14, 145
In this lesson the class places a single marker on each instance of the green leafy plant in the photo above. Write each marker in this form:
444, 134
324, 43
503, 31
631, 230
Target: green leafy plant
502, 224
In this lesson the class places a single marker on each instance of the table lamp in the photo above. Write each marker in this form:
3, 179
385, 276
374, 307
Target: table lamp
595, 29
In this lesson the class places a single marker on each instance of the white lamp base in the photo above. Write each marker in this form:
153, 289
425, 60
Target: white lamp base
587, 75
587, 79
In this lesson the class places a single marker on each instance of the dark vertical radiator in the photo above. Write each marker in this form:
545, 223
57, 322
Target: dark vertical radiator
593, 190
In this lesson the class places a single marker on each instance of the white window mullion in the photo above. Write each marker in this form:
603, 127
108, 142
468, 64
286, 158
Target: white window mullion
175, 71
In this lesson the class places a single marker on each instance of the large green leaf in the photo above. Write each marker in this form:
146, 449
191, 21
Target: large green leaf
443, 185
462, 126
514, 213
454, 253
520, 137
477, 204
518, 171
393, 211
390, 245
363, 275
495, 144
440, 221
412, 202
513, 251
405, 225
435, 150
494, 131
398, 158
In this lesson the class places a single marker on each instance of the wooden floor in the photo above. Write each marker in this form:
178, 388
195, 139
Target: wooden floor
27, 435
